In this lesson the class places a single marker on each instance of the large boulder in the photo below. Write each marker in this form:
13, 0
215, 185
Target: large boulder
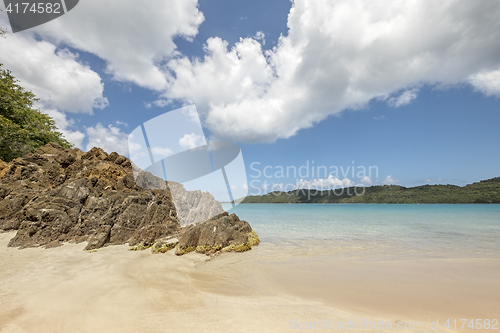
222, 233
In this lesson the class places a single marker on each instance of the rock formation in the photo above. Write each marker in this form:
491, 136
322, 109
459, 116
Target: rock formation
222, 233
58, 195
193, 206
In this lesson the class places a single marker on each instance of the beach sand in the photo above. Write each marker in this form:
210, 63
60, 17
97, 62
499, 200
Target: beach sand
66, 289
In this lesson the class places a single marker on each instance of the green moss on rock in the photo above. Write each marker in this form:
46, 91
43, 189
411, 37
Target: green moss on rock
253, 239
205, 249
140, 247
163, 247
183, 250
238, 247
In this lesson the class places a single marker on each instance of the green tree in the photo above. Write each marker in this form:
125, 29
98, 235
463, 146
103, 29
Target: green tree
23, 128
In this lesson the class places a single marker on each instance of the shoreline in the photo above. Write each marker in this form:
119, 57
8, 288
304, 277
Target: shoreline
115, 290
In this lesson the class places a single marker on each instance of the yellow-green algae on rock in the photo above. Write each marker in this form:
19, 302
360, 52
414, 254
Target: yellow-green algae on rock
140, 247
222, 233
183, 250
252, 240
162, 247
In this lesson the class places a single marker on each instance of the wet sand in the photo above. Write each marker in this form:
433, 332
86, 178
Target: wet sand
66, 289
396, 290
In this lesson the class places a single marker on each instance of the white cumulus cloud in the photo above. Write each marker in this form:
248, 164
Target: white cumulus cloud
189, 141
338, 55
159, 153
366, 181
324, 183
487, 82
65, 126
389, 180
133, 38
260, 36
56, 77
110, 139
405, 98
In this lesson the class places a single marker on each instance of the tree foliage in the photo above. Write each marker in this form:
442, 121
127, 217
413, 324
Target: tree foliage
23, 128
485, 191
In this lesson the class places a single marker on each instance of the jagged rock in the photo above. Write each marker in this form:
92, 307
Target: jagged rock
194, 206
58, 195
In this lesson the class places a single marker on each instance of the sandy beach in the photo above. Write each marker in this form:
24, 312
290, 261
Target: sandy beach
66, 289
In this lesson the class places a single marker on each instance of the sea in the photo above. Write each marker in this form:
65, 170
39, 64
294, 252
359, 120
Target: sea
377, 231
417, 263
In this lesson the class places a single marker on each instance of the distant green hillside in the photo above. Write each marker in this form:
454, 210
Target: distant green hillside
485, 191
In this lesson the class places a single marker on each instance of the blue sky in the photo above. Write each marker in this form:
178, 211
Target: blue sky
450, 135
345, 86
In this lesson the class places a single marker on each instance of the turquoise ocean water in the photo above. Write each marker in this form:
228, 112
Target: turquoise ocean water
377, 231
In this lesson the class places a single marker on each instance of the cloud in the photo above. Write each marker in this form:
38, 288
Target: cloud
160, 103
389, 180
236, 187
110, 139
133, 39
337, 55
324, 183
122, 123
192, 114
64, 126
320, 184
405, 98
487, 82
190, 141
366, 181
135, 150
260, 36
55, 76
162, 151
424, 181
